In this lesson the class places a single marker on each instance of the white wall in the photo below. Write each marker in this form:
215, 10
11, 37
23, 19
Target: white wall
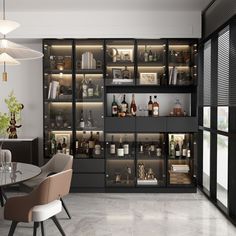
26, 82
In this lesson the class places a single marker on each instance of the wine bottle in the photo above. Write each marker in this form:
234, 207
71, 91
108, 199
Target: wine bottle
126, 146
90, 89
114, 107
177, 150
150, 55
184, 149
124, 105
81, 121
120, 149
64, 145
133, 107
97, 147
141, 148
84, 85
158, 149
172, 147
150, 103
155, 107
112, 146
145, 55
91, 145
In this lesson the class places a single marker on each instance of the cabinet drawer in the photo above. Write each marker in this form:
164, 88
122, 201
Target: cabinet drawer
119, 124
182, 124
88, 181
150, 124
91, 166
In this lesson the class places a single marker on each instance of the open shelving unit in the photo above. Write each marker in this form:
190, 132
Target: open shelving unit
80, 78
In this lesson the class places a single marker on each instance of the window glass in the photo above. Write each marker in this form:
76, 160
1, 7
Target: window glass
206, 159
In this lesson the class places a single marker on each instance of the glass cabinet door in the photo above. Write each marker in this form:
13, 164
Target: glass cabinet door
120, 159
182, 63
151, 62
58, 97
89, 99
120, 62
150, 159
180, 159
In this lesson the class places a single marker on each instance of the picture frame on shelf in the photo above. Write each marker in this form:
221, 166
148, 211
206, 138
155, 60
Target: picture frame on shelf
149, 78
117, 73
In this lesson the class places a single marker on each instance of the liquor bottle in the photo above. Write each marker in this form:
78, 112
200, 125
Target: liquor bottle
155, 107
152, 147
133, 107
114, 107
158, 149
91, 145
145, 55
150, 103
126, 146
53, 145
90, 89
64, 146
112, 146
178, 110
188, 151
172, 147
150, 55
177, 150
81, 121
141, 148
59, 147
97, 147
184, 149
120, 149
126, 73
84, 86
83, 144
124, 105
155, 56
90, 121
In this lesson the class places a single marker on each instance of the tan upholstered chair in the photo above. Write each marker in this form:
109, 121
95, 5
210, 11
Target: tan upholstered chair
5, 156
59, 162
41, 204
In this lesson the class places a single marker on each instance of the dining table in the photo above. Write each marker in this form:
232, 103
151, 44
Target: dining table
15, 173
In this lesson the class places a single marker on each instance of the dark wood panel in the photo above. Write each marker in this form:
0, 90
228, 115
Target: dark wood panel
151, 124
88, 181
182, 124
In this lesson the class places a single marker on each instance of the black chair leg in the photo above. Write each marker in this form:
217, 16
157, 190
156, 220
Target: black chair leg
1, 197
36, 225
64, 206
13, 227
42, 228
4, 194
54, 218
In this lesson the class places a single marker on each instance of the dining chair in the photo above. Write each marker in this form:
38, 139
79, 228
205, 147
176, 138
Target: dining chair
59, 162
5, 157
39, 205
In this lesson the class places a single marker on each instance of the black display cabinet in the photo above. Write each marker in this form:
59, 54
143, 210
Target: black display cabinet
125, 152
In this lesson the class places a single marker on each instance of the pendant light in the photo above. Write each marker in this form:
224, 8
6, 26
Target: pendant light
11, 52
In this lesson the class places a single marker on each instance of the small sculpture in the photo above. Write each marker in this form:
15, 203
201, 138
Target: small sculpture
12, 127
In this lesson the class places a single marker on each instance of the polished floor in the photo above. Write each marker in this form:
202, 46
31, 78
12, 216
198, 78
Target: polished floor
135, 215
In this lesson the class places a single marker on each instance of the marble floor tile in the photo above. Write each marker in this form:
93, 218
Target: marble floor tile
114, 214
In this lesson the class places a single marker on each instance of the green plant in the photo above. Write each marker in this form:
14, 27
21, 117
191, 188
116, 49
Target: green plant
4, 123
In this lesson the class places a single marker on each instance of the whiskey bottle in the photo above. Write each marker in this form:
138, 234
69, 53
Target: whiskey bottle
155, 107
84, 86
97, 147
177, 150
150, 56
172, 147
184, 149
81, 121
64, 146
112, 146
126, 73
114, 107
91, 145
120, 149
90, 89
145, 55
124, 105
90, 122
133, 107
150, 104
126, 146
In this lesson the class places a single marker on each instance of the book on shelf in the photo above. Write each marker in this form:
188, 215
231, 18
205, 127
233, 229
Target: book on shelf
180, 168
53, 89
173, 72
88, 62
147, 181
121, 81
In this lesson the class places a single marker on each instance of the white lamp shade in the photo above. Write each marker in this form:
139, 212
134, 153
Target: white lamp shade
6, 26
8, 60
18, 51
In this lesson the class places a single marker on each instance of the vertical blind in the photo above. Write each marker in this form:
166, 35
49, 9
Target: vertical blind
223, 68
207, 74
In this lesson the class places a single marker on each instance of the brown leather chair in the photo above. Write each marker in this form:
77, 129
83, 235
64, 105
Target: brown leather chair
59, 162
41, 204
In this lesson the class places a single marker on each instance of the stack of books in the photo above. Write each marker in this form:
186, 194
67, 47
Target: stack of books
180, 168
147, 181
53, 90
173, 72
88, 62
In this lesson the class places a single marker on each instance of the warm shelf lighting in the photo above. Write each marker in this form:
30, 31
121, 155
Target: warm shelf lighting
152, 46
179, 46
61, 46
61, 131
89, 46
89, 103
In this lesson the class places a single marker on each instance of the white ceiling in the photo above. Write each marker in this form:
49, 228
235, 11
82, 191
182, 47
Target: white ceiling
77, 5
